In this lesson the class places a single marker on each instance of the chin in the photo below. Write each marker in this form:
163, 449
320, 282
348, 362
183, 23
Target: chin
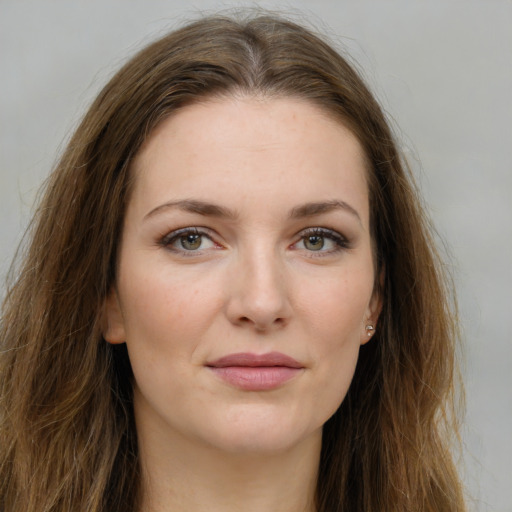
258, 443
260, 431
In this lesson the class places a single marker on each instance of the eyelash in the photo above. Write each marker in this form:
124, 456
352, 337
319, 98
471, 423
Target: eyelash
167, 240
341, 243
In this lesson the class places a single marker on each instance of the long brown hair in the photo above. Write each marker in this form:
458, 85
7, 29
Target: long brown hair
68, 440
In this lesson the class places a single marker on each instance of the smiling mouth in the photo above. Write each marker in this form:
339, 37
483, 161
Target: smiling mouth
253, 372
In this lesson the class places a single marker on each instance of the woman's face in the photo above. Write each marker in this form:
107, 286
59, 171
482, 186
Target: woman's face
245, 275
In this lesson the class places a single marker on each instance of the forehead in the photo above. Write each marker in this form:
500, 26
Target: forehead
244, 149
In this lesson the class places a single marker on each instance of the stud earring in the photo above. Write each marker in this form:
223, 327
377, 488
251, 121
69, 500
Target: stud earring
370, 330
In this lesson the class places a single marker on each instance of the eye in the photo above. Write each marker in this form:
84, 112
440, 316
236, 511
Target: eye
188, 240
321, 240
191, 242
314, 242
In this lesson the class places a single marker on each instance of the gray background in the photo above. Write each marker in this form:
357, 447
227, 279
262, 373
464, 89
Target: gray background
443, 71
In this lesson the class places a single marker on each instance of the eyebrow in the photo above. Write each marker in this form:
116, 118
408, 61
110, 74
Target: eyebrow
195, 206
214, 210
312, 209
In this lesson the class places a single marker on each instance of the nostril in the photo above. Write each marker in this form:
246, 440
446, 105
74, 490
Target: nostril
262, 326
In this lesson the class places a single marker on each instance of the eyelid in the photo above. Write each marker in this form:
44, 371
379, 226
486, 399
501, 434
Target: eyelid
166, 240
341, 241
175, 233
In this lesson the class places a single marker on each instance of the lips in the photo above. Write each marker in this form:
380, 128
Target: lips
256, 372
254, 360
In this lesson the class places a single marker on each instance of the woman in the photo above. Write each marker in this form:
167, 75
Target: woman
231, 298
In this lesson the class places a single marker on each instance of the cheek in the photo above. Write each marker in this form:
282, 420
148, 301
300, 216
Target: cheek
165, 311
337, 305
165, 320
335, 310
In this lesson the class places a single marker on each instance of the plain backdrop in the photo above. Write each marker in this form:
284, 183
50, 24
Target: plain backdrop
442, 69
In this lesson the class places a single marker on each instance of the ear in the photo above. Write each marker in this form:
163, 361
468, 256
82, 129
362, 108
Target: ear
113, 321
372, 313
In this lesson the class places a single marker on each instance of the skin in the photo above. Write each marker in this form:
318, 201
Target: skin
260, 280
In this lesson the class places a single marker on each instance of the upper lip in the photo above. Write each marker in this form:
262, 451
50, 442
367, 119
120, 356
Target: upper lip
255, 360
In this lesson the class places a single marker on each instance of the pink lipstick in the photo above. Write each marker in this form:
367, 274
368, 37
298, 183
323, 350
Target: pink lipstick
254, 372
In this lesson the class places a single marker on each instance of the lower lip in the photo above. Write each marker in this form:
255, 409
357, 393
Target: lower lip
258, 378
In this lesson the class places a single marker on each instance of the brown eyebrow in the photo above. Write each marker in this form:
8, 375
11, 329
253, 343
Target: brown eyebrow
312, 209
195, 206
214, 210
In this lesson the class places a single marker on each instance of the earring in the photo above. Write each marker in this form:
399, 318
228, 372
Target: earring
370, 330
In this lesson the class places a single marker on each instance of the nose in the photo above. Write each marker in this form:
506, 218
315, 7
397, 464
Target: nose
258, 296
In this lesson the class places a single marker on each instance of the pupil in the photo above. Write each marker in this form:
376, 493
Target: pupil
314, 243
191, 242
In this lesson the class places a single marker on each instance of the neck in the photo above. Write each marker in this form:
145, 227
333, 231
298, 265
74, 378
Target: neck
187, 476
